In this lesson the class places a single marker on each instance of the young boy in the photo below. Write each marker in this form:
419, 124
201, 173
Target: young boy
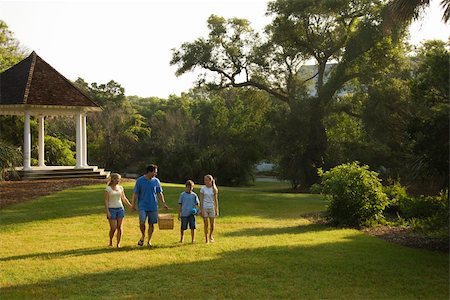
189, 203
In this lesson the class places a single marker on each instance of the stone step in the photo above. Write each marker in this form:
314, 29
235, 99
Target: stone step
61, 173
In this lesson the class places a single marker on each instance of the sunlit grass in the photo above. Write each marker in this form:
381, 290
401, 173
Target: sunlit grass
55, 247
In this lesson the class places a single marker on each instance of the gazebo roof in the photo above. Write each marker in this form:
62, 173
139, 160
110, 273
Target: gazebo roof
34, 84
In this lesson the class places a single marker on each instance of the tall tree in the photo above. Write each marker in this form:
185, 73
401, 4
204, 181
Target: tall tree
301, 31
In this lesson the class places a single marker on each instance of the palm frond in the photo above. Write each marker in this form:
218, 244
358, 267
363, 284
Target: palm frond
445, 4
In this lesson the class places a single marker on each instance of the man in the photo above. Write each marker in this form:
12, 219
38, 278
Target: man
146, 191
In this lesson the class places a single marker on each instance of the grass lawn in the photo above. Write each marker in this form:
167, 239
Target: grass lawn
55, 247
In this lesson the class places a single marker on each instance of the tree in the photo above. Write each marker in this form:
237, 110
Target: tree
203, 132
11, 52
231, 134
429, 126
323, 31
116, 131
401, 11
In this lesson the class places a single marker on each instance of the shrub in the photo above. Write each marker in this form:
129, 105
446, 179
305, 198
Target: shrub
10, 157
424, 206
355, 194
396, 194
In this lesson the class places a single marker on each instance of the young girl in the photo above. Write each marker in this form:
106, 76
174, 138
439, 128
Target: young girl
114, 195
209, 206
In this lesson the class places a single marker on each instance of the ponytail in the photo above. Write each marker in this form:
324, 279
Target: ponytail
213, 182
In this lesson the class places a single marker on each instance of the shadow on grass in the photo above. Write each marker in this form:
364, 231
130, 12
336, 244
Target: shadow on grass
335, 270
84, 252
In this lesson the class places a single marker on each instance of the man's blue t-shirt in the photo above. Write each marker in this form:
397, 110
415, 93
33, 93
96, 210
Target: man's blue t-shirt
188, 201
146, 190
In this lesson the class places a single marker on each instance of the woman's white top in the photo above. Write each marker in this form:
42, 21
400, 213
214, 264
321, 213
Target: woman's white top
115, 200
208, 196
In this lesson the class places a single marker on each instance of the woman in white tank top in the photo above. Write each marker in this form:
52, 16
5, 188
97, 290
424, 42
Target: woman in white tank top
114, 195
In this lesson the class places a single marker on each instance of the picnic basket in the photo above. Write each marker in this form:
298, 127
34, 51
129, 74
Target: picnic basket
165, 221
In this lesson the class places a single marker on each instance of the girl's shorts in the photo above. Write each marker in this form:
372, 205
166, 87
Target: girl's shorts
208, 213
116, 213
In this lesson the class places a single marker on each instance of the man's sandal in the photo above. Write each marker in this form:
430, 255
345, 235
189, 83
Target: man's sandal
141, 243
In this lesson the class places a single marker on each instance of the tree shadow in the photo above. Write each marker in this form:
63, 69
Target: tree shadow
84, 252
330, 270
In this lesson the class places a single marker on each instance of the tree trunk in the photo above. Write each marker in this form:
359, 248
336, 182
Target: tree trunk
317, 143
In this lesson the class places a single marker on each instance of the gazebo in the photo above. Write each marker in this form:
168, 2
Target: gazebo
34, 88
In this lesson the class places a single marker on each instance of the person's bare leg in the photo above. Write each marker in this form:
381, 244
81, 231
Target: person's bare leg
181, 235
205, 225
150, 233
212, 222
142, 227
193, 235
119, 231
112, 230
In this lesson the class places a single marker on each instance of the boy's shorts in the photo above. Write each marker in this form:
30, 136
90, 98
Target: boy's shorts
152, 216
208, 213
116, 213
188, 220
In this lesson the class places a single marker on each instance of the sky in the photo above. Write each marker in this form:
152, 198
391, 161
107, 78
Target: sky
131, 42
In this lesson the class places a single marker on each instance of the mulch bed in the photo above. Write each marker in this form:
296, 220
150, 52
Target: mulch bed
12, 192
397, 235
407, 237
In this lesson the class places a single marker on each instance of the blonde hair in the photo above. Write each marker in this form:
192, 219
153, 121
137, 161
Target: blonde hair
113, 175
213, 181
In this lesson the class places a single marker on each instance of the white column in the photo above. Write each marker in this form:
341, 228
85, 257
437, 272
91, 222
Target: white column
84, 138
79, 154
41, 145
27, 143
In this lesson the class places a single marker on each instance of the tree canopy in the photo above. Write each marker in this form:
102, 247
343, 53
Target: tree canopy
347, 33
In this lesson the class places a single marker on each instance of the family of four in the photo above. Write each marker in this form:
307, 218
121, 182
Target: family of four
147, 191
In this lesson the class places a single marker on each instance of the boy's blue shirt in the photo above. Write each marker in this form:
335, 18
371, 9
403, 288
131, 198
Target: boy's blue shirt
188, 201
146, 189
